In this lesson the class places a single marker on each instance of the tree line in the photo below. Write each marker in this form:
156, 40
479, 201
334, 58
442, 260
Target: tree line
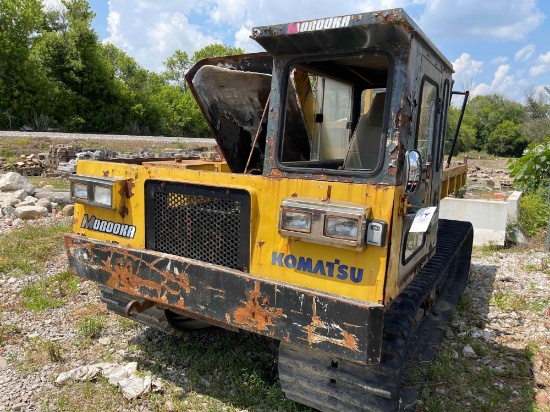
497, 125
55, 73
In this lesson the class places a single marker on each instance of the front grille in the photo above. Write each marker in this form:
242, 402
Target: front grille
210, 224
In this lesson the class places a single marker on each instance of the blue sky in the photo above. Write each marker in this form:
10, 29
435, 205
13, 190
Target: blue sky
495, 45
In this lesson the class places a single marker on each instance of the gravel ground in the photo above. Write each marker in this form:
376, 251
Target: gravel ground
508, 294
65, 136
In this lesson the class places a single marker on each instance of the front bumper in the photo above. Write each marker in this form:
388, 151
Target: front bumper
346, 328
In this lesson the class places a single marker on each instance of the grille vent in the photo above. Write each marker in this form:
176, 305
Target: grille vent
209, 224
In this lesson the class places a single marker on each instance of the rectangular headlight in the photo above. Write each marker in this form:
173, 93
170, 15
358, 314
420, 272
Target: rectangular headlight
80, 190
341, 227
327, 222
97, 191
103, 195
296, 221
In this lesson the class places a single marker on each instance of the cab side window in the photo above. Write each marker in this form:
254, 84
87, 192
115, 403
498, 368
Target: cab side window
427, 120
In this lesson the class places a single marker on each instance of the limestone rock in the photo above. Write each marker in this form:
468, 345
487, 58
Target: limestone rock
31, 212
68, 210
14, 181
468, 352
45, 202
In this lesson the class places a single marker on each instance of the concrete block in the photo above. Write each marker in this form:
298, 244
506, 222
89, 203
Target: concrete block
488, 217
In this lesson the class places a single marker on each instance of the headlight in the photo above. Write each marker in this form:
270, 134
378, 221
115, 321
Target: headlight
341, 228
80, 190
96, 191
327, 222
296, 221
103, 195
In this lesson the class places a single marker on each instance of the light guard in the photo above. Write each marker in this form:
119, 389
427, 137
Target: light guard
333, 222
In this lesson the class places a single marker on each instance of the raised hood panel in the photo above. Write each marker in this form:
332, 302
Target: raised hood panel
232, 93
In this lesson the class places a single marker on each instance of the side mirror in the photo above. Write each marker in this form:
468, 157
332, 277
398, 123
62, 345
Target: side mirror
412, 170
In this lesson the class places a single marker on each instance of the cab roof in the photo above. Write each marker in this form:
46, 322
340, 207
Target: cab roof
385, 29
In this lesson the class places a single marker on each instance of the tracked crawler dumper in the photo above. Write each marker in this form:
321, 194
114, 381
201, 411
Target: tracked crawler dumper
320, 228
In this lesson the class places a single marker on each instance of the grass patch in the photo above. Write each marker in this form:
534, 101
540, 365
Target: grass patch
218, 370
56, 182
91, 327
38, 352
461, 384
29, 248
49, 292
92, 396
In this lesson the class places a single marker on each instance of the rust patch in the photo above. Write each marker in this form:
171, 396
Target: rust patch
129, 188
392, 171
106, 173
402, 119
123, 211
255, 316
122, 275
261, 243
348, 340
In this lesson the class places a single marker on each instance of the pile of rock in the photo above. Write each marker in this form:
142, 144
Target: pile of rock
492, 178
29, 166
19, 199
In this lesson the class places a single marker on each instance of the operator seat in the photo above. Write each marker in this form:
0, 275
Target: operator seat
364, 148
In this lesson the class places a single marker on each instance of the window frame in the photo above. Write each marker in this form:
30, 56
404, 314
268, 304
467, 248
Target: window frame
429, 80
355, 112
444, 119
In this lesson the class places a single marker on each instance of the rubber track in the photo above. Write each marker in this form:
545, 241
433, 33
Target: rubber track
315, 379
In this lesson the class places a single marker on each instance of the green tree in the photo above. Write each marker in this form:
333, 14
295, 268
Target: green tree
537, 125
70, 50
22, 80
176, 66
491, 110
179, 63
506, 140
467, 134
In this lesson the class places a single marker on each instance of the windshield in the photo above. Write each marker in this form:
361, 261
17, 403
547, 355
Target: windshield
335, 110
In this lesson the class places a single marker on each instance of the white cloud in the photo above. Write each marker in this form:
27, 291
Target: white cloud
466, 69
525, 52
243, 40
499, 60
504, 20
542, 65
504, 83
151, 31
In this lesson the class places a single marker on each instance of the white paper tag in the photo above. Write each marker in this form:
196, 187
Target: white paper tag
422, 219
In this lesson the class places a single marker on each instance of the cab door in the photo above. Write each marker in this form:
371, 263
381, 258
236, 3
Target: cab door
422, 191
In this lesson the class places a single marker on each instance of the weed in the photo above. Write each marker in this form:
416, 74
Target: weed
54, 182
37, 352
54, 351
49, 292
27, 249
509, 302
35, 299
7, 332
91, 327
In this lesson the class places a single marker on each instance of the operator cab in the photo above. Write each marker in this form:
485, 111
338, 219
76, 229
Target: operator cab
339, 99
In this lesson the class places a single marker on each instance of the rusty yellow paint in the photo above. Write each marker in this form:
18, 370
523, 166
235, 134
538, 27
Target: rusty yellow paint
452, 179
392, 288
266, 197
306, 99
